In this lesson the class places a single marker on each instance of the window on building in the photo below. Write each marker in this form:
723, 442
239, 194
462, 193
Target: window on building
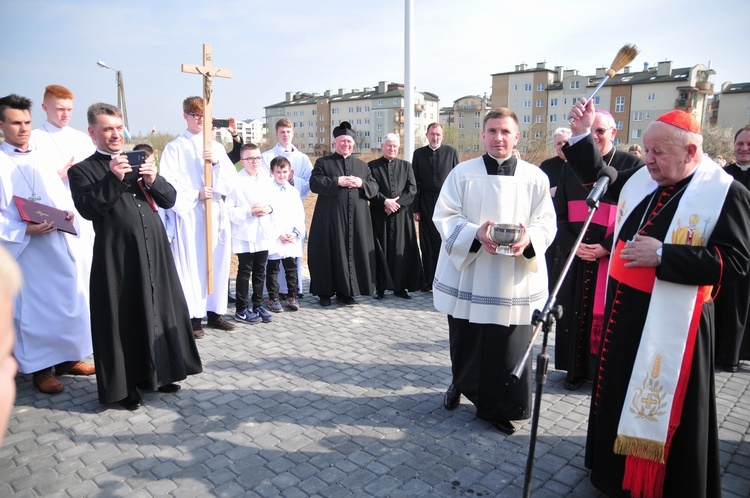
295, 114
380, 127
638, 116
323, 140
527, 119
380, 101
537, 134
367, 121
359, 121
367, 108
618, 125
335, 111
460, 126
524, 134
617, 142
351, 110
540, 87
648, 116
395, 101
540, 102
379, 139
515, 88
322, 129
302, 113
636, 133
565, 101
539, 118
527, 87
553, 118
314, 112
526, 104
367, 133
575, 85
378, 114
651, 96
460, 114
322, 117
477, 125
620, 104
553, 102
596, 100
477, 114
359, 109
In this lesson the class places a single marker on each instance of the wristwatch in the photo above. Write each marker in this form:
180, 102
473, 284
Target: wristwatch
658, 254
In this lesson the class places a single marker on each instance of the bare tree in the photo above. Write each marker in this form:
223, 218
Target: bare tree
718, 141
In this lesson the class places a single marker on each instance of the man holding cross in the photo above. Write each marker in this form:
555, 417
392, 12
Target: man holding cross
182, 166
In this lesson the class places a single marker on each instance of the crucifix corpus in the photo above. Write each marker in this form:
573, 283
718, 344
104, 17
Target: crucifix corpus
208, 72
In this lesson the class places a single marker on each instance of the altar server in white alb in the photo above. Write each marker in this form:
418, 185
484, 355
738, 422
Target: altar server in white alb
182, 166
50, 313
64, 146
299, 178
489, 297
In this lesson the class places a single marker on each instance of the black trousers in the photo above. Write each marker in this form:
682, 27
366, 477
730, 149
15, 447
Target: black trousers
250, 263
272, 277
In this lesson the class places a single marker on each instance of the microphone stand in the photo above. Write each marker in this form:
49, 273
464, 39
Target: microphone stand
546, 320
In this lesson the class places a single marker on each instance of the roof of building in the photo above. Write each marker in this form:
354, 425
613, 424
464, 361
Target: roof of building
392, 90
635, 78
736, 88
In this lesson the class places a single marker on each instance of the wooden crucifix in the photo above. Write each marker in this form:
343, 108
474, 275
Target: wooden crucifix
208, 72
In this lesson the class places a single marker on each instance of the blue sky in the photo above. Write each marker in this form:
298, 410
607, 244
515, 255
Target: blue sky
277, 46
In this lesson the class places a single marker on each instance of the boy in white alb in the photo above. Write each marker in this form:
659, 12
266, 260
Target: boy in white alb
289, 225
249, 207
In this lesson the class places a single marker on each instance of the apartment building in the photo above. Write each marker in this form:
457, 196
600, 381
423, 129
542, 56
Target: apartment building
542, 97
372, 112
466, 116
731, 108
251, 131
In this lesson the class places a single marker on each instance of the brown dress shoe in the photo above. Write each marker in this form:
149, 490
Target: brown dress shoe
74, 368
221, 323
47, 383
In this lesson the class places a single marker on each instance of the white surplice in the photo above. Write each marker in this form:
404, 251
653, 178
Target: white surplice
59, 146
51, 314
182, 166
492, 288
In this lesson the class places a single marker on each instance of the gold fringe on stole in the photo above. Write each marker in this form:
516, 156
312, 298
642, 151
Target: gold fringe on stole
646, 449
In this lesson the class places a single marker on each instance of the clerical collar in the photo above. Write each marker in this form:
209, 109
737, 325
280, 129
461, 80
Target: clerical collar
503, 167
743, 167
108, 153
291, 148
436, 148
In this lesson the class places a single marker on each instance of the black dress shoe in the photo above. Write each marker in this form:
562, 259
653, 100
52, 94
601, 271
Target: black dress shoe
325, 300
572, 384
347, 300
732, 368
403, 294
133, 401
504, 426
170, 388
378, 294
452, 398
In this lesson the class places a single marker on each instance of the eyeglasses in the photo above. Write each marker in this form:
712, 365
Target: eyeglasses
251, 159
197, 117
601, 131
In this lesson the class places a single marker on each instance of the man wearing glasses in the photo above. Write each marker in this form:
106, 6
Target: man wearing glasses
182, 166
579, 331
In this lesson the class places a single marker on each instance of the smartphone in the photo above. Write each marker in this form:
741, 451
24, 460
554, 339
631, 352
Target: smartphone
135, 159
221, 123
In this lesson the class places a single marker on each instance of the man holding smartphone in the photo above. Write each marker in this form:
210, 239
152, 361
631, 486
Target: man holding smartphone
139, 318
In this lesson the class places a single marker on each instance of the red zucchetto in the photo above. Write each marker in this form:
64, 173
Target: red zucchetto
682, 120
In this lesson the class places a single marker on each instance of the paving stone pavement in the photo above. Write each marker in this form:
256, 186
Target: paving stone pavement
339, 401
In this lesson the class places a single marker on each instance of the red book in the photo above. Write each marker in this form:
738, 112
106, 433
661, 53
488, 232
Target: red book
34, 212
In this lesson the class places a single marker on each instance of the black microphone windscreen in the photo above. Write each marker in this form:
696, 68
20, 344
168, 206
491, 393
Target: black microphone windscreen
609, 172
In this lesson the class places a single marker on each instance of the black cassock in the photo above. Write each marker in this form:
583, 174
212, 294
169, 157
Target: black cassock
399, 266
732, 307
431, 167
140, 323
340, 249
575, 352
693, 467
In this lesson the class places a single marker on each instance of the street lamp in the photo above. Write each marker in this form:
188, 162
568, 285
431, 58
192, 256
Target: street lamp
120, 93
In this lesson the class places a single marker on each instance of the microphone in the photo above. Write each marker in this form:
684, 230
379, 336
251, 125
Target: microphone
606, 175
